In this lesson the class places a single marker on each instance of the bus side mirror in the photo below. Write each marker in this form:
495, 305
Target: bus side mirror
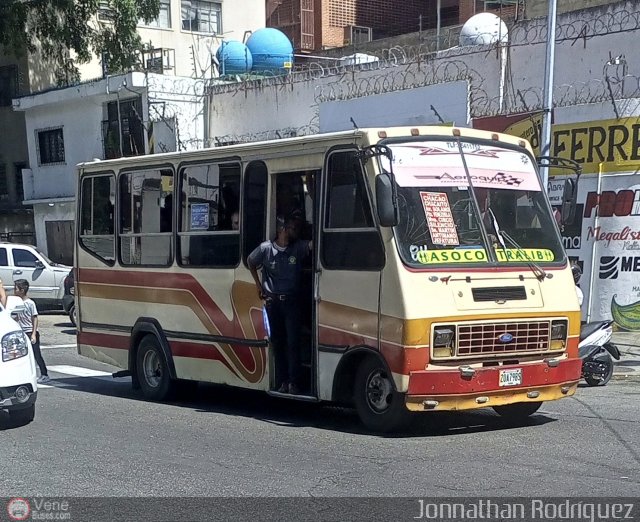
385, 201
569, 197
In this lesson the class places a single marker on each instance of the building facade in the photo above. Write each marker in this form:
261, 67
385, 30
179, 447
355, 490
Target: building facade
125, 115
179, 44
315, 25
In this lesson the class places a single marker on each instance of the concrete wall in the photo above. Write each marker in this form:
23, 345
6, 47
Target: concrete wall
410, 108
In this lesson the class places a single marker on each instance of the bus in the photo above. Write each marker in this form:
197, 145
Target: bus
438, 279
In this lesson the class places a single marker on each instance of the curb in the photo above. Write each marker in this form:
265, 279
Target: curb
624, 374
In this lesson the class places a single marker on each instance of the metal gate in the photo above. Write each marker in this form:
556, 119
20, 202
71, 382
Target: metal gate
60, 241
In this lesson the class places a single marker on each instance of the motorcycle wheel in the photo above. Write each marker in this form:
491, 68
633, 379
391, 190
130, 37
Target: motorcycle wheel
594, 381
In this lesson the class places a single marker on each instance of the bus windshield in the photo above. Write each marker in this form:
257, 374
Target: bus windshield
441, 224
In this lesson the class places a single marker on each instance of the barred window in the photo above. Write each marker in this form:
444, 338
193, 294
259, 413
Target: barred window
50, 146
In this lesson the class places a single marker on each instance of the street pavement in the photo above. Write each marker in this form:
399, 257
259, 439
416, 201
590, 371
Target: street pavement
628, 367
95, 436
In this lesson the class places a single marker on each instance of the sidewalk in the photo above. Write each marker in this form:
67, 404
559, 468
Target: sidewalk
628, 367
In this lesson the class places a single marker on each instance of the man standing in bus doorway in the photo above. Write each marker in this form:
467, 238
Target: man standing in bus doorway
281, 262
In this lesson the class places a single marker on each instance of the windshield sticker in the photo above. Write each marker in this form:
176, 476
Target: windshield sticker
439, 164
479, 255
439, 218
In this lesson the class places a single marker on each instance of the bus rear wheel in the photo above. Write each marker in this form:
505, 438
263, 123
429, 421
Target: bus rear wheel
518, 411
152, 370
380, 407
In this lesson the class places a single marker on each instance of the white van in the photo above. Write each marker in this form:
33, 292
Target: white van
46, 278
18, 386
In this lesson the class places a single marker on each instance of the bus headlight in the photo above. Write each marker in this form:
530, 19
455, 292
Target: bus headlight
558, 335
443, 341
14, 346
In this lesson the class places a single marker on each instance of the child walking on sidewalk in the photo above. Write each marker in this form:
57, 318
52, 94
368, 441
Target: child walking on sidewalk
28, 321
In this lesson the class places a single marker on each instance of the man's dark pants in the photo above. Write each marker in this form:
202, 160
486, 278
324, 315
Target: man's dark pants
284, 320
37, 354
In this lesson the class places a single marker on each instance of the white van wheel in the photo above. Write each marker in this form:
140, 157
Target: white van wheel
23, 416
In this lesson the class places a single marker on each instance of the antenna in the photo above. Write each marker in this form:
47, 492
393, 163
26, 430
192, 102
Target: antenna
355, 125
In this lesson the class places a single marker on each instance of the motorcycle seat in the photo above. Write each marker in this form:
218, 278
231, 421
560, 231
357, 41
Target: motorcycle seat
589, 328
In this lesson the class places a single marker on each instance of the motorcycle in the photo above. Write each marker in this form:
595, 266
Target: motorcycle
596, 350
595, 347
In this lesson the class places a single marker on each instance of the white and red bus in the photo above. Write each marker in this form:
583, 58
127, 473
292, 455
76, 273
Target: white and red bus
438, 279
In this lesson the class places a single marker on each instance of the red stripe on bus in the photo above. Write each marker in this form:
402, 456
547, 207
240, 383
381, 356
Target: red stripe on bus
201, 351
178, 348
168, 280
162, 280
116, 342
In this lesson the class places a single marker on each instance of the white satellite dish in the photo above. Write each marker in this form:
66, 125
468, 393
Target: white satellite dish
483, 29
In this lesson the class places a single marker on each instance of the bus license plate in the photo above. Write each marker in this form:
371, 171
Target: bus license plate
511, 377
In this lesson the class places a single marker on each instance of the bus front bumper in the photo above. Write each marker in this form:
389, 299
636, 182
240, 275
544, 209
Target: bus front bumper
466, 388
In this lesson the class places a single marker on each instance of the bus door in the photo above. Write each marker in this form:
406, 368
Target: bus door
295, 200
349, 260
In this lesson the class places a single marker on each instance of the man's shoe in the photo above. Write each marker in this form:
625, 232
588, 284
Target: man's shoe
44, 379
284, 388
293, 389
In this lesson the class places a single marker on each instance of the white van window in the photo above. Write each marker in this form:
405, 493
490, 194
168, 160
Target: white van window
3, 257
24, 258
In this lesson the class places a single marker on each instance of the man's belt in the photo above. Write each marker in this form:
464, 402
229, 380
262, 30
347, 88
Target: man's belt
279, 297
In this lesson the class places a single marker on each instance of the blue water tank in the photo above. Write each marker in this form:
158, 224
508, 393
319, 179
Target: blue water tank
234, 58
271, 50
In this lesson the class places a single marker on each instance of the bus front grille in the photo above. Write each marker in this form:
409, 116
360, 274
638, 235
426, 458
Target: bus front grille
503, 338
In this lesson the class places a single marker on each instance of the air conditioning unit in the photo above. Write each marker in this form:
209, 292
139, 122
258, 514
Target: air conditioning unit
356, 34
158, 60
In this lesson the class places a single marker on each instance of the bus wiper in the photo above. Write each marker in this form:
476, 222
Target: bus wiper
537, 270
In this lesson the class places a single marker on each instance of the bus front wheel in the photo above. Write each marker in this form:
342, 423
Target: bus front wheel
152, 370
518, 411
379, 406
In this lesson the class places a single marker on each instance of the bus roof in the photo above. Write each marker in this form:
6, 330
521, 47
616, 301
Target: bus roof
374, 134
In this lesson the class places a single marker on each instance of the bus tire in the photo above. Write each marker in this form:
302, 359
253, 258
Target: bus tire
380, 407
152, 370
518, 411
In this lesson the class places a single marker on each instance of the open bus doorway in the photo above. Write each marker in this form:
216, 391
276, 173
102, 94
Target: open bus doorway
295, 203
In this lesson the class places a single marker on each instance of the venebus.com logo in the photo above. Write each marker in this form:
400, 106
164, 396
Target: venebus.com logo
19, 509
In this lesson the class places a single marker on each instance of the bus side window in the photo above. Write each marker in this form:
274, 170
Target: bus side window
209, 203
350, 240
96, 220
255, 208
146, 210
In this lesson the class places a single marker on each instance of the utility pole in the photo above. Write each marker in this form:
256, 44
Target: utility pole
545, 141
